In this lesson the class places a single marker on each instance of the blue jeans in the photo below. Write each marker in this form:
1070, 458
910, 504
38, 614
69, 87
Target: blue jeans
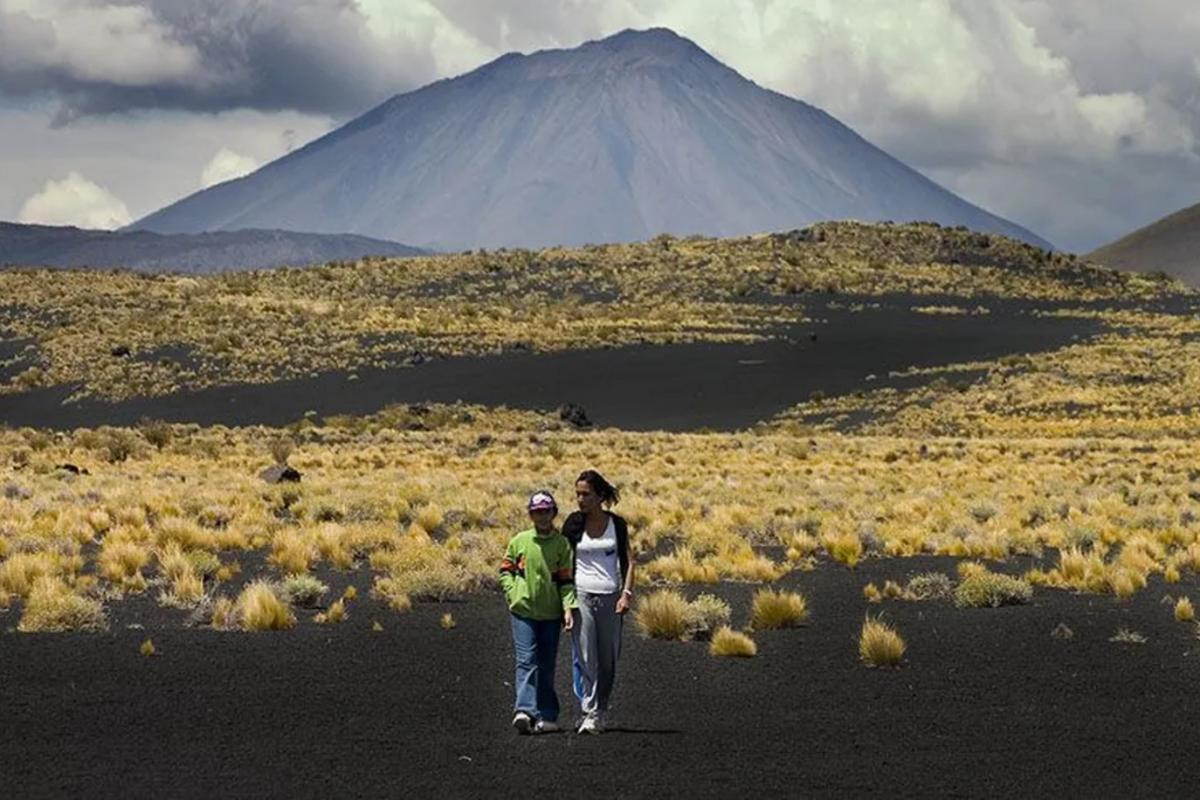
535, 644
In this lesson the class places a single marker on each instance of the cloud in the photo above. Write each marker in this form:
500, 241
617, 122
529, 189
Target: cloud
104, 56
75, 200
225, 166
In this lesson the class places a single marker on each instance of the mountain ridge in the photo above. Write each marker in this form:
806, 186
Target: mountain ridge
70, 247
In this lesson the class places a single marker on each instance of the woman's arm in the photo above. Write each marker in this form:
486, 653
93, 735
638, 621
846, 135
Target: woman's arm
627, 588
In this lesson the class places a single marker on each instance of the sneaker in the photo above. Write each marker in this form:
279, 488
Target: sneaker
546, 726
522, 723
590, 724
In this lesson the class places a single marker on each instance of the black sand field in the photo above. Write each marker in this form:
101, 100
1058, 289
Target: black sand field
639, 387
986, 704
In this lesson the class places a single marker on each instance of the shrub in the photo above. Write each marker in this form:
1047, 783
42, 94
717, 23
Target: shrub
301, 590
929, 586
991, 589
879, 645
664, 614
705, 614
52, 606
260, 609
777, 609
728, 642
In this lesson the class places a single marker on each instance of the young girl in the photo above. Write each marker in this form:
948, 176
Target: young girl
536, 577
603, 570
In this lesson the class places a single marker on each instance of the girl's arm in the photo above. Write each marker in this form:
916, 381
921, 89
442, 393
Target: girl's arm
627, 588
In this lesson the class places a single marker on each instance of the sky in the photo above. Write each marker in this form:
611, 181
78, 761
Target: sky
1079, 119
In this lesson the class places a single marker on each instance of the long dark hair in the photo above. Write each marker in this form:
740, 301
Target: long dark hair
609, 495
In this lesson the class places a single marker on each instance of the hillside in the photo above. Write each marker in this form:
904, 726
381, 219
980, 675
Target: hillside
1170, 245
144, 251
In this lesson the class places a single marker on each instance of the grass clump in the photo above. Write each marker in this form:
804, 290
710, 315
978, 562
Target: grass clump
1184, 611
302, 590
147, 648
879, 645
706, 614
665, 614
728, 642
333, 615
777, 609
447, 622
53, 606
929, 586
259, 608
393, 592
985, 589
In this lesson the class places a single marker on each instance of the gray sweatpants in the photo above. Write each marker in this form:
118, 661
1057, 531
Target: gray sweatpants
598, 639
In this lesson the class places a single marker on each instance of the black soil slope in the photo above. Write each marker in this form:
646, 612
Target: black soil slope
986, 704
675, 387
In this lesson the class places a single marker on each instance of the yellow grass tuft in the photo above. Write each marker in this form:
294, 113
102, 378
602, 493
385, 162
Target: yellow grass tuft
872, 594
376, 627
892, 590
879, 645
224, 614
447, 622
664, 614
122, 562
53, 606
351, 592
336, 613
777, 609
260, 609
846, 548
147, 648
292, 552
728, 642
392, 592
1184, 611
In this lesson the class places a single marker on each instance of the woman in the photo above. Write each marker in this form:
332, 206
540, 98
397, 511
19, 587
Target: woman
603, 570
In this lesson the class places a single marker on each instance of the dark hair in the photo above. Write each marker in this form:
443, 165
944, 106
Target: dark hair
607, 492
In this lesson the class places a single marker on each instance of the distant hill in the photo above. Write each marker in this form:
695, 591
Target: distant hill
1171, 245
616, 140
53, 246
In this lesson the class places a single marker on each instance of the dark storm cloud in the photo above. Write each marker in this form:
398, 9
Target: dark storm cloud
205, 55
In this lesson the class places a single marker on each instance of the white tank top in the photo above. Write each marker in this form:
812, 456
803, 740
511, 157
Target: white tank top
597, 566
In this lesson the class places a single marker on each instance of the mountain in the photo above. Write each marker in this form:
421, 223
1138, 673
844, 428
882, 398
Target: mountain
53, 246
1171, 245
615, 140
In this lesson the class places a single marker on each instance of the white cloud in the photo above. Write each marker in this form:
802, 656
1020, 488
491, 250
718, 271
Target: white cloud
75, 200
225, 166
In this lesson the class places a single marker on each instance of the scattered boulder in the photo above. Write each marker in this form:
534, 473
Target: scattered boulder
574, 414
280, 473
74, 470
417, 358
120, 351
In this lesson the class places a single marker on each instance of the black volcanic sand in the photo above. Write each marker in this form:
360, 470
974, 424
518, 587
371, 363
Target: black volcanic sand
641, 387
987, 703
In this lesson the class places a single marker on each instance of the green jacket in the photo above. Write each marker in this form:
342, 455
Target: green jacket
536, 575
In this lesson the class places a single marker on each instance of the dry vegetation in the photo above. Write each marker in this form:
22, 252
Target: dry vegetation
424, 513
118, 335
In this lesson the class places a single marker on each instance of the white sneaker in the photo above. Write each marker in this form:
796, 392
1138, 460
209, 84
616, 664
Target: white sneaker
590, 724
522, 723
546, 726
